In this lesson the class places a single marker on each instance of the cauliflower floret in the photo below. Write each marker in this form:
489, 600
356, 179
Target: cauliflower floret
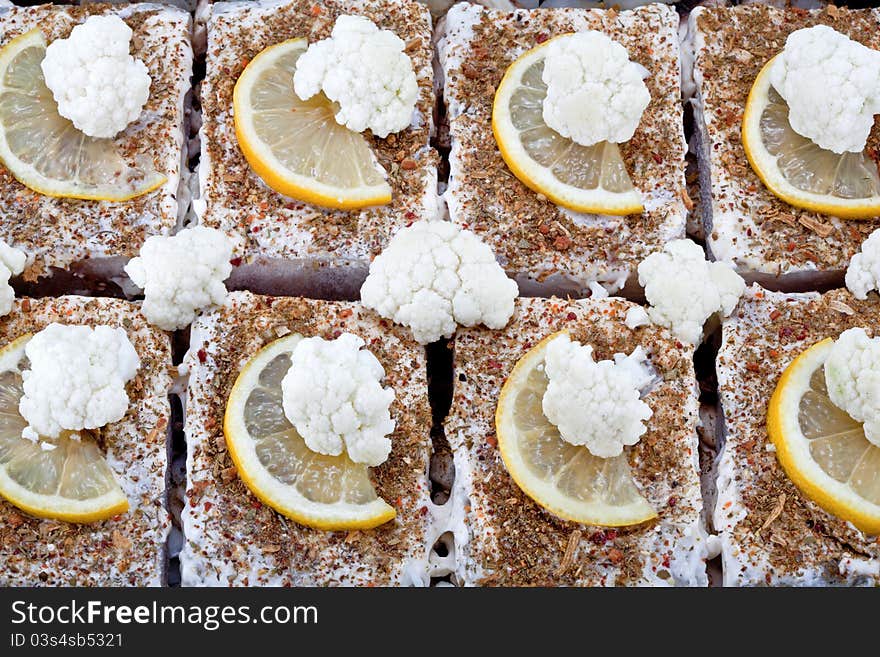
95, 81
333, 395
594, 404
863, 272
434, 274
76, 379
366, 71
12, 262
832, 86
594, 92
852, 374
181, 274
684, 290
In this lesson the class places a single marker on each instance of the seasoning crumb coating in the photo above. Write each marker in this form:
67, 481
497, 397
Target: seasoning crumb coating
129, 549
233, 539
269, 225
802, 545
546, 247
745, 224
502, 537
61, 232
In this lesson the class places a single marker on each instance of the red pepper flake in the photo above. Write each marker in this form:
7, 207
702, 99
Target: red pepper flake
665, 561
256, 504
207, 506
802, 335
409, 215
673, 500
345, 313
774, 353
785, 331
202, 354
492, 441
235, 262
791, 246
493, 364
315, 10
571, 317
657, 157
598, 538
26, 305
423, 511
615, 556
610, 534
409, 164
775, 314
542, 37
753, 367
562, 243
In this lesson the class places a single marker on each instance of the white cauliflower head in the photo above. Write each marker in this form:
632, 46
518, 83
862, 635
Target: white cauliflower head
365, 71
852, 374
863, 272
832, 86
12, 262
97, 84
181, 274
684, 290
434, 274
333, 395
76, 379
595, 404
594, 92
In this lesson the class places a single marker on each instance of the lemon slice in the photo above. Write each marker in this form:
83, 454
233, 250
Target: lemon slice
589, 179
44, 151
71, 482
325, 492
565, 479
796, 170
821, 448
296, 146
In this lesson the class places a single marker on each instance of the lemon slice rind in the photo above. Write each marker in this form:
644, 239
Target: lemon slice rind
544, 491
55, 507
764, 164
30, 177
534, 175
269, 167
793, 451
285, 498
